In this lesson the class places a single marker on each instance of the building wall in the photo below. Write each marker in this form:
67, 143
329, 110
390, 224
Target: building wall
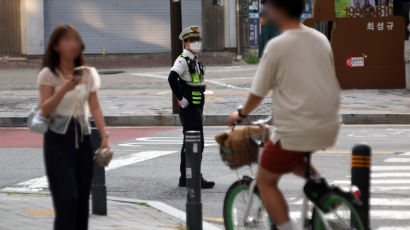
32, 18
10, 19
121, 26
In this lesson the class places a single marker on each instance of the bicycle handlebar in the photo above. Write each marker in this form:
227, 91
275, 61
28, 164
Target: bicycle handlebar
260, 122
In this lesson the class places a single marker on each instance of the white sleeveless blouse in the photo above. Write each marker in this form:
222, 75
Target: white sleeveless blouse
74, 103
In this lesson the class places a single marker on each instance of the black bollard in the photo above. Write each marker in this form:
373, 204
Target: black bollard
98, 189
361, 162
193, 179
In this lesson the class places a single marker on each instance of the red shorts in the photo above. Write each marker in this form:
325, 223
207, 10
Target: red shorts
279, 161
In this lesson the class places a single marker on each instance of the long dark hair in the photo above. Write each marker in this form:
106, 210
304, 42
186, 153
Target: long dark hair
51, 58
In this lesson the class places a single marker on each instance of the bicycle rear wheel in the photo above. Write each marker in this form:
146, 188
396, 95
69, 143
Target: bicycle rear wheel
342, 215
235, 204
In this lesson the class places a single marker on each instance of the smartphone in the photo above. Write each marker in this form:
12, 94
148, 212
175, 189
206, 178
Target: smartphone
78, 73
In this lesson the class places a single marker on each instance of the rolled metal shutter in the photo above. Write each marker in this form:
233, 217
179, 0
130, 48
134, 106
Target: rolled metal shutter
191, 13
120, 26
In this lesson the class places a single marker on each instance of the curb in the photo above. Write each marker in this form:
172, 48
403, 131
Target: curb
216, 120
374, 119
162, 207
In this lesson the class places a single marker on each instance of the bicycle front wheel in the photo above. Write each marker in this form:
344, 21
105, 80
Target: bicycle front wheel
235, 206
342, 215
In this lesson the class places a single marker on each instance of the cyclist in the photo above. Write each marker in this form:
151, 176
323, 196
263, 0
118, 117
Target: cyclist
298, 67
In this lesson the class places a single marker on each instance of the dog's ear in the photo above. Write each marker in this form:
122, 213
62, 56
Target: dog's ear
220, 138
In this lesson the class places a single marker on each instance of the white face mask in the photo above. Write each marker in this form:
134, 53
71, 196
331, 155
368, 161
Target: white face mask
196, 46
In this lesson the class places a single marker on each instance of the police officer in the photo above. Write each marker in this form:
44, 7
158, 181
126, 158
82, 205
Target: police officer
187, 82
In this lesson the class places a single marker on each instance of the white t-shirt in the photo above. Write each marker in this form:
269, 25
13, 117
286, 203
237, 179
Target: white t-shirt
74, 102
298, 67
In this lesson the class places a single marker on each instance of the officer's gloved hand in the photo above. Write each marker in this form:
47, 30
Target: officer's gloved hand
184, 103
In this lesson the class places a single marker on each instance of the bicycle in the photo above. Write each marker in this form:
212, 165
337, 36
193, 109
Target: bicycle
243, 208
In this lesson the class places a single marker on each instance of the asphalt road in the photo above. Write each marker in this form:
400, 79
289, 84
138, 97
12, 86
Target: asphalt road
147, 167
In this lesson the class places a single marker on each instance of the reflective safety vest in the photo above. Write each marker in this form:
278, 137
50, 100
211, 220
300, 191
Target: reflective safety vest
196, 87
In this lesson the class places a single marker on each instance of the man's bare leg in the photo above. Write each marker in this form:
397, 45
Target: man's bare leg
272, 197
300, 169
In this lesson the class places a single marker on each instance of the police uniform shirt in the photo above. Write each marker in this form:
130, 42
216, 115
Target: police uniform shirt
181, 66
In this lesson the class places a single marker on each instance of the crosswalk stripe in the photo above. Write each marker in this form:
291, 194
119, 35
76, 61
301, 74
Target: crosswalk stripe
374, 214
375, 202
41, 183
394, 228
382, 175
398, 160
135, 158
389, 188
376, 182
390, 168
177, 140
389, 214
389, 202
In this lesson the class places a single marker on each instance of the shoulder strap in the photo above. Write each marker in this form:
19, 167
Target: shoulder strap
188, 61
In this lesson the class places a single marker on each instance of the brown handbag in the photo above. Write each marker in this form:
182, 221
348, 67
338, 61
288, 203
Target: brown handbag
238, 146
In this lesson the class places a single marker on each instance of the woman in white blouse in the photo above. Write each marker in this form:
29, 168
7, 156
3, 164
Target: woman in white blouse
67, 100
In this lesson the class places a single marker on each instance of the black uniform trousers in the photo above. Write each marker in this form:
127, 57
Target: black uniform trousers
191, 120
69, 171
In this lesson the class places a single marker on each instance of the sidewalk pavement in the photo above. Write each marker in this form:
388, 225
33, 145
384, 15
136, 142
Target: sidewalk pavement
142, 97
142, 107
34, 211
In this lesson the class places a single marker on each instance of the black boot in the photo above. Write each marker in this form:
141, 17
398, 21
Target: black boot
204, 183
182, 182
207, 184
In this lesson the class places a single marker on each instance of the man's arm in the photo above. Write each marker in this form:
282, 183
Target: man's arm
251, 104
175, 85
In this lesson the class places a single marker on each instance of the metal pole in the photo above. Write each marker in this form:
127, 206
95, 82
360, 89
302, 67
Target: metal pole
98, 188
176, 44
238, 39
193, 179
361, 162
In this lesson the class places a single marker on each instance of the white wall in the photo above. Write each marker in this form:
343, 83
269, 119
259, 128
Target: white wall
230, 23
33, 27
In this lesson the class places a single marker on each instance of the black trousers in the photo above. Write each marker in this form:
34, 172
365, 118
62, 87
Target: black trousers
191, 119
69, 171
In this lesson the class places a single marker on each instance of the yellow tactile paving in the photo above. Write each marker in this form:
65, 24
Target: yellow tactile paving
214, 219
171, 227
39, 212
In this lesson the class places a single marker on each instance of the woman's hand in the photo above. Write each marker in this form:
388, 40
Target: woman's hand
70, 83
105, 155
49, 99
